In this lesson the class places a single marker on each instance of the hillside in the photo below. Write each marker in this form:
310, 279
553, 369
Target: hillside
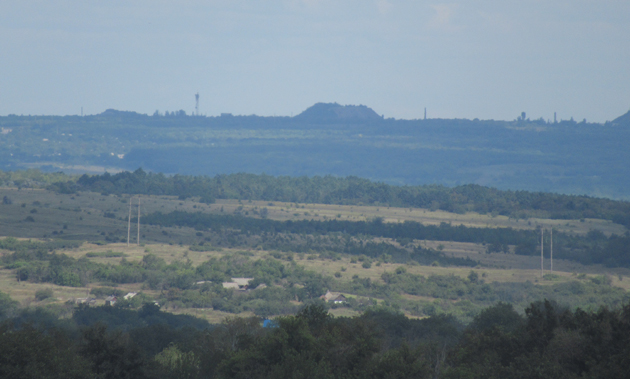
416, 260
623, 120
331, 139
147, 270
335, 113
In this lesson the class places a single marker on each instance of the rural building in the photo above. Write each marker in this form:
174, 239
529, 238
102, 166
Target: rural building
334, 297
85, 300
240, 284
111, 300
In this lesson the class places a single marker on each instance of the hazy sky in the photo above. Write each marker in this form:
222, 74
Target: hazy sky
489, 59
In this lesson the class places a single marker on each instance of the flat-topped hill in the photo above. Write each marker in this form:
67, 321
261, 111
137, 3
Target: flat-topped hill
333, 112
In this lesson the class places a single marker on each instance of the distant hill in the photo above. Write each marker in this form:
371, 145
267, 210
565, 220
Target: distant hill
332, 139
622, 120
121, 114
333, 112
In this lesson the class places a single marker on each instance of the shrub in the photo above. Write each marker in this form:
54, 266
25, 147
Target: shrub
43, 294
602, 280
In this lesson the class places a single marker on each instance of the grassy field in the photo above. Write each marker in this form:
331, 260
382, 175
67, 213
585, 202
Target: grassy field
24, 292
38, 214
298, 211
90, 215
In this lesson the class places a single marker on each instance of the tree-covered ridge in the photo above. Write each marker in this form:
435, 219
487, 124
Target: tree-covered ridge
375, 228
357, 191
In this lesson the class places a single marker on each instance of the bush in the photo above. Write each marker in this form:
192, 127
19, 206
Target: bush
602, 280
7, 305
43, 294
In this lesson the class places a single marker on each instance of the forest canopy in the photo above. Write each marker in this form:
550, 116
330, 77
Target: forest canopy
353, 190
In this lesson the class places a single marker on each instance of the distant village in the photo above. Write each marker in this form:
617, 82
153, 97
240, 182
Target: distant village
237, 284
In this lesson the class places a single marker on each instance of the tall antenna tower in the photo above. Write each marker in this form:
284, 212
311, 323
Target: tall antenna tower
425, 113
197, 103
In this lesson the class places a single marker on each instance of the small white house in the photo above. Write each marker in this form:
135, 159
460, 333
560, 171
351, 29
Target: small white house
238, 283
334, 297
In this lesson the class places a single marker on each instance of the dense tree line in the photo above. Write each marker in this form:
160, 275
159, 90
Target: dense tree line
595, 247
376, 228
548, 341
353, 190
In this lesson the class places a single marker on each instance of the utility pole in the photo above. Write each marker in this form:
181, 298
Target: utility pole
138, 241
542, 232
551, 249
129, 223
